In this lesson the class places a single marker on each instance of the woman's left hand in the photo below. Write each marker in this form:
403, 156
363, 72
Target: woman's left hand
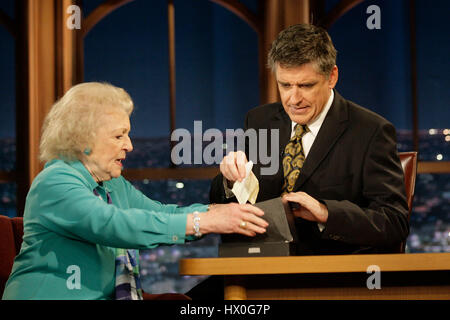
232, 218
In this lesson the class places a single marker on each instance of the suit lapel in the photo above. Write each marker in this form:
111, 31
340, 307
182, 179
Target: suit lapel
283, 123
333, 127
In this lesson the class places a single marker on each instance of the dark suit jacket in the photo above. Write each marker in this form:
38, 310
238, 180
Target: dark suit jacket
352, 167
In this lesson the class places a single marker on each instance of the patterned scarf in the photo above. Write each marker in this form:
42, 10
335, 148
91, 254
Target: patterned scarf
128, 284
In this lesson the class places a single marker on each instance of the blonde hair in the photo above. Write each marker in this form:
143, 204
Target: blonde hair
71, 124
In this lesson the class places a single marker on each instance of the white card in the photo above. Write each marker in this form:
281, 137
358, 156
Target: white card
248, 188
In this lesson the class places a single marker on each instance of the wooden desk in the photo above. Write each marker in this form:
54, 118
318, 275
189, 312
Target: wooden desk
402, 276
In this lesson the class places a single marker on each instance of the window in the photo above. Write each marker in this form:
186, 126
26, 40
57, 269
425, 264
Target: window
216, 83
8, 122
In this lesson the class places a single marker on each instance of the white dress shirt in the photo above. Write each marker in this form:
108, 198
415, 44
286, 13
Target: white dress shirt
314, 127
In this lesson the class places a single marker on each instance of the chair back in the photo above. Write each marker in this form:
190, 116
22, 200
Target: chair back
409, 165
11, 233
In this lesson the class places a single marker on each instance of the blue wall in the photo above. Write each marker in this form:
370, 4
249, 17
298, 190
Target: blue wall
375, 64
217, 71
433, 63
216, 64
7, 76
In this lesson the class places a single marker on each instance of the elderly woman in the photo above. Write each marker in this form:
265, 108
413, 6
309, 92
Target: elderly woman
83, 220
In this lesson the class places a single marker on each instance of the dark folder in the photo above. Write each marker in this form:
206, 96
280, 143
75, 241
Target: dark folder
279, 239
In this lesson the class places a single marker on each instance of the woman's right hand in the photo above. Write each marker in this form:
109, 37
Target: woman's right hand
233, 218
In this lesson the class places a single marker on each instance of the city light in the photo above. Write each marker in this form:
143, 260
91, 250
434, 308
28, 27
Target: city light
446, 131
447, 138
432, 131
439, 157
179, 185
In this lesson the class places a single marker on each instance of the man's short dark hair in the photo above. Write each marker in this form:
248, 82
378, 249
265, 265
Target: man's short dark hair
300, 44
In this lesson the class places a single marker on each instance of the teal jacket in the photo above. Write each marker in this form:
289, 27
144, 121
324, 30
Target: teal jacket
70, 235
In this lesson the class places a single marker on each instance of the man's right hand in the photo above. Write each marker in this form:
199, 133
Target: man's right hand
232, 167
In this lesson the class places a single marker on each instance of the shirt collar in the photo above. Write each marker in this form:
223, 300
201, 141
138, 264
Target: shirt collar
315, 125
79, 167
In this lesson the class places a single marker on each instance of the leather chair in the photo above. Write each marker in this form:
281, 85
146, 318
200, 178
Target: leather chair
409, 165
11, 234
8, 249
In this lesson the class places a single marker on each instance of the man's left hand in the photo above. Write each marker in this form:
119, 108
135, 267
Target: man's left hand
310, 209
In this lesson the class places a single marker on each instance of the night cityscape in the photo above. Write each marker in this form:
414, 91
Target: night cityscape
430, 219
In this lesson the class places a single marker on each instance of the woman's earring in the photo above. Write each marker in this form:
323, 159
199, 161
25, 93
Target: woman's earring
87, 151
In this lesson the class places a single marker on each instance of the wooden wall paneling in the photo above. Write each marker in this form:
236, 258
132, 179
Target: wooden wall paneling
433, 167
44, 64
296, 11
271, 26
172, 70
35, 86
42, 79
278, 15
68, 50
65, 49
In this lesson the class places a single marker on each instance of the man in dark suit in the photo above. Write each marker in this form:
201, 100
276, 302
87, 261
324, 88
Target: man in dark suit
339, 160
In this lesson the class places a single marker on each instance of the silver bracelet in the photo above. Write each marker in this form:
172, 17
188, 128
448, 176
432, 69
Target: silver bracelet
197, 224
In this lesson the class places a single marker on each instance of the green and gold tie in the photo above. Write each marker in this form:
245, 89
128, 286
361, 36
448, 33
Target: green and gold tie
293, 158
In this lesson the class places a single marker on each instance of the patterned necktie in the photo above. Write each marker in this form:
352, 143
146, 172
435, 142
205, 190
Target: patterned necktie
128, 284
293, 158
